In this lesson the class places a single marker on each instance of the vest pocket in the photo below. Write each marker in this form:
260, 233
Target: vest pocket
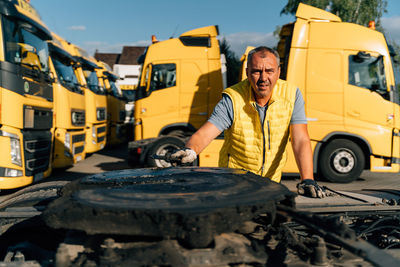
227, 163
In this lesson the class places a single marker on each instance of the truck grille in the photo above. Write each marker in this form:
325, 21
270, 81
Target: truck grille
37, 150
37, 118
78, 150
101, 129
78, 138
100, 139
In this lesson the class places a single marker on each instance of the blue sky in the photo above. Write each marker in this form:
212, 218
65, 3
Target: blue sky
108, 25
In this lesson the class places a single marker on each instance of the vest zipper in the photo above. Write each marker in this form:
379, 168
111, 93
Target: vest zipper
263, 157
269, 136
229, 157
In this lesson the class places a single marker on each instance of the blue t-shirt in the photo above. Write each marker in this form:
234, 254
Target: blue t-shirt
222, 116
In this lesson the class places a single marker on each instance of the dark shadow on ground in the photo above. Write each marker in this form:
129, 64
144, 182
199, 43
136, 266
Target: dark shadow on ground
117, 151
112, 166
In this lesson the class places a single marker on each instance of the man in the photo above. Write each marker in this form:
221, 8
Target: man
257, 115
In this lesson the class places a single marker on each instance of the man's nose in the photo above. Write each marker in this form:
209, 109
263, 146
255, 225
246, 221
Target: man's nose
264, 76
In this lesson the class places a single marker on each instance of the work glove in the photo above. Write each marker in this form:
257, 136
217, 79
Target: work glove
310, 188
185, 155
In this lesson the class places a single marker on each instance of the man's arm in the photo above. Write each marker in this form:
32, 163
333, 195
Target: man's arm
302, 150
203, 137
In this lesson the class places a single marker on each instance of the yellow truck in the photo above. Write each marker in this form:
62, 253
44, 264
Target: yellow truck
69, 108
179, 86
116, 128
346, 74
95, 99
26, 102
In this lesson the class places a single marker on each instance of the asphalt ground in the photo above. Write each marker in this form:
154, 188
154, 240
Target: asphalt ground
115, 158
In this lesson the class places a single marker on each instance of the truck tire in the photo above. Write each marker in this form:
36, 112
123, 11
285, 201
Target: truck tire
161, 147
189, 204
341, 161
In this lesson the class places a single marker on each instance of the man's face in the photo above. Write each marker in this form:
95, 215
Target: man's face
263, 73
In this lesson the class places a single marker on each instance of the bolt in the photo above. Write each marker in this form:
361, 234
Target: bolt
19, 256
320, 257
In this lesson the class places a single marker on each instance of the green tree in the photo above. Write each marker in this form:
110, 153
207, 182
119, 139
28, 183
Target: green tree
232, 63
354, 11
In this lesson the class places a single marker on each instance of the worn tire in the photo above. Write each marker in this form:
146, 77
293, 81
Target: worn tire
161, 147
341, 161
189, 204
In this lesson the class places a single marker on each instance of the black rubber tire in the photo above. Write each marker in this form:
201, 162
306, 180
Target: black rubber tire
341, 161
189, 204
161, 147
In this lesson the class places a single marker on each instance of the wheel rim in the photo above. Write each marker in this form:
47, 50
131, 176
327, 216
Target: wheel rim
343, 160
162, 151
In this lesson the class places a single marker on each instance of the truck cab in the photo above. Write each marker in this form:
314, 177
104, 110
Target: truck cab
69, 108
95, 99
180, 84
116, 128
26, 96
346, 74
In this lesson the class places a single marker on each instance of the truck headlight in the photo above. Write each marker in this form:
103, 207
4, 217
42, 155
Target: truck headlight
12, 172
67, 141
94, 132
74, 118
15, 151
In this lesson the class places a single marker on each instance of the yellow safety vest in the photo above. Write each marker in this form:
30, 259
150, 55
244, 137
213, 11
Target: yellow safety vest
249, 145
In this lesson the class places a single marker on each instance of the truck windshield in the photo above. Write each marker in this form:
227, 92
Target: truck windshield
93, 82
396, 69
24, 46
66, 75
115, 91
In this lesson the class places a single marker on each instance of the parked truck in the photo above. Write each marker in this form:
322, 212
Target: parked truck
69, 108
95, 99
346, 73
26, 102
116, 127
180, 84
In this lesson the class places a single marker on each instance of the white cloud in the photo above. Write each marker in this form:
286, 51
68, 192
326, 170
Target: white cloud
392, 29
77, 28
239, 41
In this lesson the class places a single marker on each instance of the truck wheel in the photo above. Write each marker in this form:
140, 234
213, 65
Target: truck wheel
161, 147
341, 161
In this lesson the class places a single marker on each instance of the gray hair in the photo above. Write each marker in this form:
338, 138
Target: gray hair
263, 49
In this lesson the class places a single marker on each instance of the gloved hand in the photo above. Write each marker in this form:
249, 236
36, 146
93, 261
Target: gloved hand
185, 155
310, 188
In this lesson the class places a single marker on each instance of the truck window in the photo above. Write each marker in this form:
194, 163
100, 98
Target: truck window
23, 46
396, 69
162, 76
93, 82
66, 75
368, 72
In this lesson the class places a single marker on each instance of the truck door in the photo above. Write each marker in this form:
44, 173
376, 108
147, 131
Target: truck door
163, 105
368, 110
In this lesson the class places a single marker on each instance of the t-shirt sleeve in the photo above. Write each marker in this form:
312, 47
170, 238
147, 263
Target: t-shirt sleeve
299, 114
222, 116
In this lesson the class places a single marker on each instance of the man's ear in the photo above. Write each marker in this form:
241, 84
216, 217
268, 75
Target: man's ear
247, 72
